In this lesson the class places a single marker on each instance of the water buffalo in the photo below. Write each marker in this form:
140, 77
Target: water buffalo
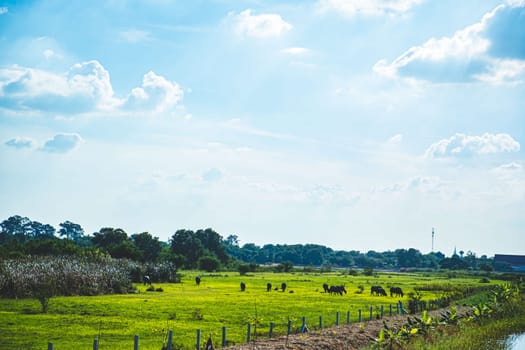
396, 291
377, 290
268, 287
146, 280
243, 286
337, 290
283, 286
326, 288
198, 280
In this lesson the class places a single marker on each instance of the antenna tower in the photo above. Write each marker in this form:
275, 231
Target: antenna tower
432, 240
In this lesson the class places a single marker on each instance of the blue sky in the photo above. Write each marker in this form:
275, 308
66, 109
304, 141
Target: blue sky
353, 124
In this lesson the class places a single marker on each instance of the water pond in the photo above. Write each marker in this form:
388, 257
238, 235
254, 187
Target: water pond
516, 342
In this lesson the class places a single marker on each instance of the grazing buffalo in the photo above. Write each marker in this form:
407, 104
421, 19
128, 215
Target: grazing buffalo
146, 280
243, 286
378, 290
337, 290
268, 287
198, 280
283, 286
326, 288
396, 291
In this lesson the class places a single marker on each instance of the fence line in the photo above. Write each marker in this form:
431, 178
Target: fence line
399, 309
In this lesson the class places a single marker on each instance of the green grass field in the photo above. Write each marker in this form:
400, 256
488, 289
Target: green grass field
74, 322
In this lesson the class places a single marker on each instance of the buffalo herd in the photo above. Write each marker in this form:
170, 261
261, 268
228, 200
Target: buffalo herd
337, 290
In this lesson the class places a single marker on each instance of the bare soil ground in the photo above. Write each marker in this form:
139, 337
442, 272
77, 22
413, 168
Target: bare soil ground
347, 337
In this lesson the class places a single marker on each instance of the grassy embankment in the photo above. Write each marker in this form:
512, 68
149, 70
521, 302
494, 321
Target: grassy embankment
73, 322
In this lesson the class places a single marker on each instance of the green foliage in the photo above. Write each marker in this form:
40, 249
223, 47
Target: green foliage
368, 271
209, 263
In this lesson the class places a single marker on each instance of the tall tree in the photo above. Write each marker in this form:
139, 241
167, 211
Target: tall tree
71, 230
186, 243
17, 226
149, 246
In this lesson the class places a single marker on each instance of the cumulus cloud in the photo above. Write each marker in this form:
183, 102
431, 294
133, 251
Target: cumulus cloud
464, 145
351, 8
20, 142
259, 26
157, 93
85, 87
4, 9
62, 143
492, 50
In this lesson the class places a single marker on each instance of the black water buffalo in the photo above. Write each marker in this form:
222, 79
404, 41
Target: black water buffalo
268, 287
243, 286
396, 291
337, 290
378, 290
283, 286
146, 280
198, 280
326, 288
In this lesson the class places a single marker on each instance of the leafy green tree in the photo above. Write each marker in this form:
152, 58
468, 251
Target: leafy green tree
209, 263
41, 231
17, 226
148, 246
70, 230
187, 244
116, 242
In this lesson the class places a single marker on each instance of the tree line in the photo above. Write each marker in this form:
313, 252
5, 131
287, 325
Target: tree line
207, 250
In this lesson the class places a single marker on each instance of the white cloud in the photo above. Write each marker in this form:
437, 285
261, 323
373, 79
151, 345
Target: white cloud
20, 142
62, 143
350, 8
490, 51
296, 50
86, 87
422, 184
157, 94
465, 145
396, 138
4, 9
259, 26
134, 36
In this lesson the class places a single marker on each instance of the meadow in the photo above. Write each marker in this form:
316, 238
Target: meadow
73, 322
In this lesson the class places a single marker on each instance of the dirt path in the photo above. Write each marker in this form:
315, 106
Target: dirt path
347, 337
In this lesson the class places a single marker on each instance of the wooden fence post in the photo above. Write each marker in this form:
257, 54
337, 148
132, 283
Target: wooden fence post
337, 318
95, 344
136, 342
390, 310
289, 327
348, 317
360, 316
198, 343
321, 322
382, 311
223, 336
170, 339
271, 329
49, 346
371, 312
249, 333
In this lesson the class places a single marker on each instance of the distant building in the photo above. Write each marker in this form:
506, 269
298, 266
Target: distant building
514, 262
